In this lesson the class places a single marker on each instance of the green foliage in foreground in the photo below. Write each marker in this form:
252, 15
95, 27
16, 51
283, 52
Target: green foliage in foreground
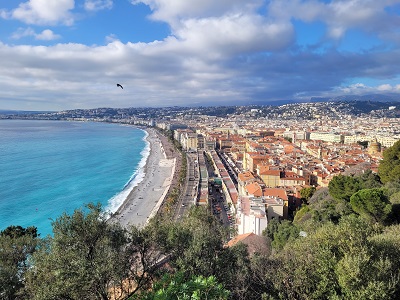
176, 286
17, 244
82, 259
351, 260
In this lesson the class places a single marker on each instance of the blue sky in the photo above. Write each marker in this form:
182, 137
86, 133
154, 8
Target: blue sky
66, 54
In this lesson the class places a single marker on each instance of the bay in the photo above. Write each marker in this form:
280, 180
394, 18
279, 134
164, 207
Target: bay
51, 167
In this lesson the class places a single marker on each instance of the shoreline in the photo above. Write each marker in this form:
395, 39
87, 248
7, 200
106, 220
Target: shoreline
144, 200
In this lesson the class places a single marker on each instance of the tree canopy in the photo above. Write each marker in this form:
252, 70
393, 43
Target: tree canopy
307, 192
372, 204
389, 166
350, 260
342, 187
89, 257
17, 244
176, 286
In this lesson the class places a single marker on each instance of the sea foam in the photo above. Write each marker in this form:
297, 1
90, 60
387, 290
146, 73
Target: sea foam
137, 177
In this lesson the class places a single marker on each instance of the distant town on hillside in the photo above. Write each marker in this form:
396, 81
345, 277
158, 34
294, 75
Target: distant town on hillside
295, 111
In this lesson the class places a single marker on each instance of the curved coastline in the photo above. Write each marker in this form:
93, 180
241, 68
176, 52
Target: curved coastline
117, 201
43, 198
146, 195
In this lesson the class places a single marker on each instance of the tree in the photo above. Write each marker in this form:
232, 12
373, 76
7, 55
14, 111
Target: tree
19, 231
324, 208
364, 144
307, 192
395, 201
389, 167
302, 215
142, 259
330, 210
372, 204
320, 194
343, 187
369, 180
391, 188
272, 228
197, 242
195, 247
286, 232
350, 260
83, 260
16, 246
176, 286
235, 273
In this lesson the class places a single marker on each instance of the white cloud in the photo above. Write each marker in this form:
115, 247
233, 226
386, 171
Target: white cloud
45, 12
111, 38
339, 15
45, 35
360, 88
307, 11
95, 5
354, 88
344, 15
233, 34
219, 29
4, 14
22, 32
170, 10
384, 87
166, 73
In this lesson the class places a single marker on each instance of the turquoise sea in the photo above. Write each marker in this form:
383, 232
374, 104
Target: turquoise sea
51, 167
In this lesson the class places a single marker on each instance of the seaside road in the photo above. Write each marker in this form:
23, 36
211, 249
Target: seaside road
145, 199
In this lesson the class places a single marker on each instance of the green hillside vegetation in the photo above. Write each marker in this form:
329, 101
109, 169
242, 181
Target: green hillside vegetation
343, 244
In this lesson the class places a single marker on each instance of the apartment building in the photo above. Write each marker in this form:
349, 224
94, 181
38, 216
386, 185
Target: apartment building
327, 137
253, 213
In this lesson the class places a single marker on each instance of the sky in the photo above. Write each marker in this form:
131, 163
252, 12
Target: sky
65, 54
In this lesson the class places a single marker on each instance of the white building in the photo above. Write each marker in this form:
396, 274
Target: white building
253, 213
327, 137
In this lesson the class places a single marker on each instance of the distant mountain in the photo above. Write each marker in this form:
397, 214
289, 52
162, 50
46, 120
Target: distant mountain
21, 112
7, 112
351, 98
343, 98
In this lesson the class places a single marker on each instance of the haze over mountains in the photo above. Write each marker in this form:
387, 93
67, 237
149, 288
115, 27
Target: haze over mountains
354, 103
384, 99
391, 97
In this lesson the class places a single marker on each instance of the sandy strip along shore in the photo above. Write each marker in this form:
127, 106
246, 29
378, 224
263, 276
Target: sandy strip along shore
145, 199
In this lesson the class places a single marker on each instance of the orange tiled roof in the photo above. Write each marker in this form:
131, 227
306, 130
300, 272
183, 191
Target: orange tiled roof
239, 238
288, 149
289, 175
246, 176
271, 172
276, 192
254, 189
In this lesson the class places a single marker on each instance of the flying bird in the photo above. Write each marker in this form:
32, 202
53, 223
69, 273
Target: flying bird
120, 86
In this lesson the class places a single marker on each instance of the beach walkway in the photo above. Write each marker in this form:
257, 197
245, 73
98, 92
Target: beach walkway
145, 199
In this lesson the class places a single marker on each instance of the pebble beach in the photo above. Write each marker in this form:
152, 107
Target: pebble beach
145, 199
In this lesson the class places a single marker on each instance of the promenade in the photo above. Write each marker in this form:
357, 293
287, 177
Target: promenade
146, 198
